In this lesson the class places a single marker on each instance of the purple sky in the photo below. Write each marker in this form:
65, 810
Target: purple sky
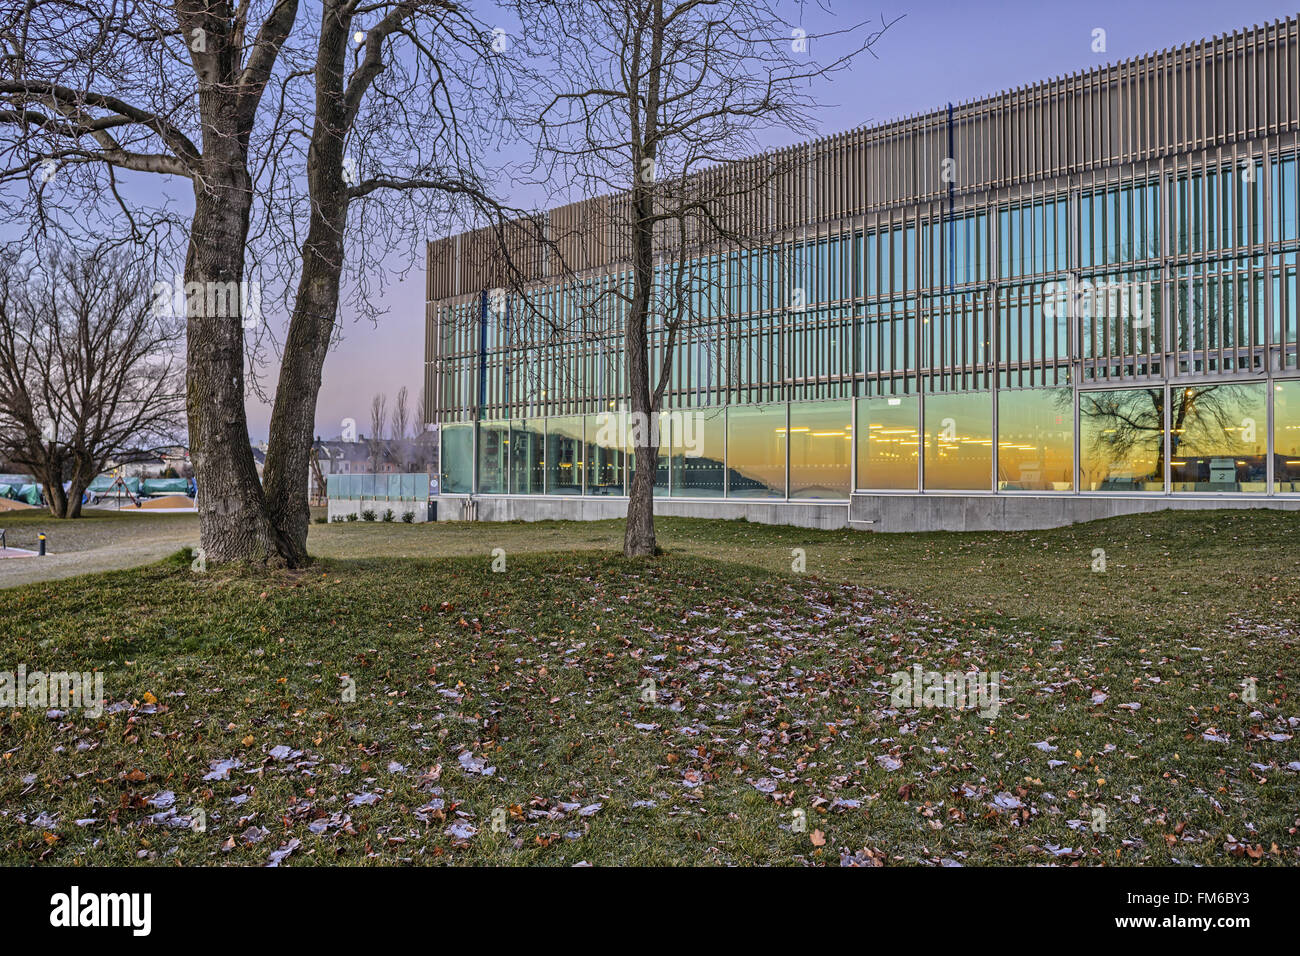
941, 51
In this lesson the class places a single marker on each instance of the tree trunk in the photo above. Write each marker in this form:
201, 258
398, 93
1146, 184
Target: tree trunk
288, 459
83, 473
639, 533
233, 520
51, 476
293, 420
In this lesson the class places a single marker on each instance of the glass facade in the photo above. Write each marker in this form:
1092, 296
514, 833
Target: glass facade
1110, 315
1286, 436
699, 440
821, 447
565, 463
756, 448
1213, 437
1036, 439
1121, 440
493, 457
527, 457
606, 456
959, 442
457, 459
1218, 438
888, 443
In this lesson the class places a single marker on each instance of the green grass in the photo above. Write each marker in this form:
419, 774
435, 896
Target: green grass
761, 676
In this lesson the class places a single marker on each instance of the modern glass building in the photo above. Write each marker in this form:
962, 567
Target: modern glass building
1066, 301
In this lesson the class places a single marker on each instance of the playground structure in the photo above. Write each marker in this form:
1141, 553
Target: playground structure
137, 490
25, 492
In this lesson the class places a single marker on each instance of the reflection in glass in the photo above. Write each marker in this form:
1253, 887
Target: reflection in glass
1121, 441
564, 461
526, 457
493, 461
698, 443
958, 441
1218, 438
661, 460
888, 446
756, 451
605, 455
1036, 439
661, 433
1286, 436
821, 438
457, 459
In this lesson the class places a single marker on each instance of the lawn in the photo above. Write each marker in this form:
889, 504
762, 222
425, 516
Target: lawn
401, 701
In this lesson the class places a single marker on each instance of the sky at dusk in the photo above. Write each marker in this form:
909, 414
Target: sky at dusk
940, 51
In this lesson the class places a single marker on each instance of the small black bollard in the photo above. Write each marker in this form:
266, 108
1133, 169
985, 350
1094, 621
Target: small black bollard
41, 537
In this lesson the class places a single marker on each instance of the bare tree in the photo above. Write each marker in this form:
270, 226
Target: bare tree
401, 415
406, 95
87, 368
401, 422
420, 424
177, 89
657, 94
378, 420
170, 89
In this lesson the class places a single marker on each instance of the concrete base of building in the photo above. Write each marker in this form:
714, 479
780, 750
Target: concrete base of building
1027, 512
888, 513
399, 507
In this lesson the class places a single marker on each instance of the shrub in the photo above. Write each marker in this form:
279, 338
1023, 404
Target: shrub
388, 514
353, 516
408, 517
368, 514
338, 519
320, 520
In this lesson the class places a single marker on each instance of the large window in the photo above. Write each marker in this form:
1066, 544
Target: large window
1286, 436
457, 459
1036, 439
756, 451
526, 457
1121, 440
605, 454
888, 443
959, 441
1218, 438
821, 440
493, 457
698, 443
661, 461
564, 456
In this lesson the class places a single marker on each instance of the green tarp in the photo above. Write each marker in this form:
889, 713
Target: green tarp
30, 493
166, 486
104, 483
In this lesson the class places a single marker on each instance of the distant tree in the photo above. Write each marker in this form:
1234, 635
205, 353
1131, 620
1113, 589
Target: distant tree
378, 419
421, 425
401, 422
401, 414
656, 95
87, 369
